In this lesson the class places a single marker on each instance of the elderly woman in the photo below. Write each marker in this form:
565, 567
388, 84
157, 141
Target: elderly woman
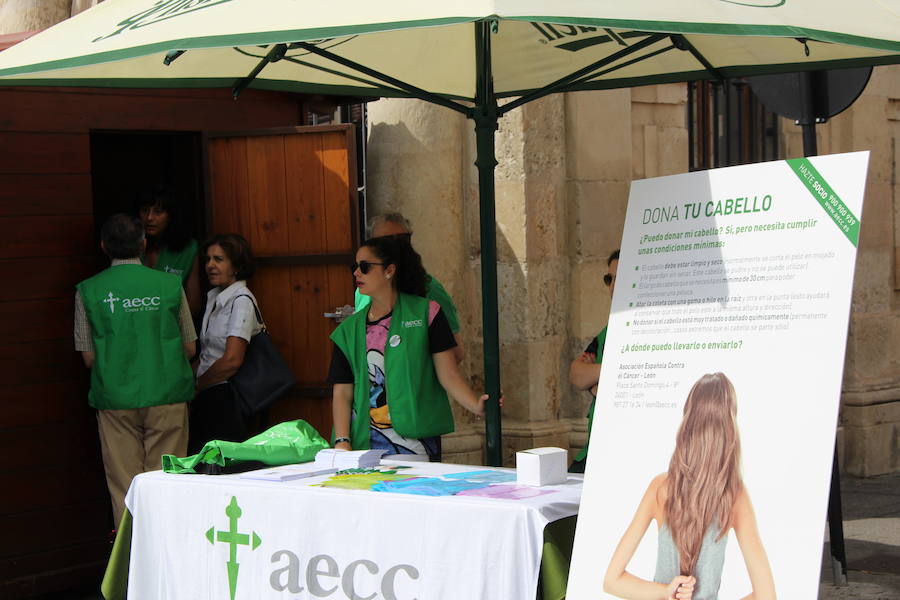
229, 323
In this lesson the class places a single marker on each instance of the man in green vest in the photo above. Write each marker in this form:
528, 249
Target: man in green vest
584, 372
393, 223
134, 331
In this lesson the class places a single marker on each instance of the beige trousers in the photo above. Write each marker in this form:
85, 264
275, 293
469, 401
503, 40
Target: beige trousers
133, 441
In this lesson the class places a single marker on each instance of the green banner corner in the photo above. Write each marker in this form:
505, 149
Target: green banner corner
830, 202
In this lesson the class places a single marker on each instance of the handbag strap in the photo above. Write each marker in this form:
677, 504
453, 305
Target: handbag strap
259, 320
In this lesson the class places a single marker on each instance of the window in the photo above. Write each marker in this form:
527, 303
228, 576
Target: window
728, 125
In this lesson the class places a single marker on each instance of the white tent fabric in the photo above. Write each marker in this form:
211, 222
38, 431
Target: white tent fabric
431, 45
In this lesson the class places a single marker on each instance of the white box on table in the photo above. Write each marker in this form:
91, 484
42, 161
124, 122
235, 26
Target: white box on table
542, 466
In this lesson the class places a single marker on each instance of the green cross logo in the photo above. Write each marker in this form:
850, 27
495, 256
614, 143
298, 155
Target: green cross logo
111, 299
233, 539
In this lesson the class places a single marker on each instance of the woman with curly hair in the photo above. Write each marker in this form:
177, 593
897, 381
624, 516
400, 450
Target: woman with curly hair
393, 366
695, 504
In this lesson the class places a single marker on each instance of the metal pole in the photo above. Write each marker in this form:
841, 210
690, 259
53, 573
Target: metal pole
485, 115
714, 88
835, 514
691, 123
729, 127
807, 120
836, 526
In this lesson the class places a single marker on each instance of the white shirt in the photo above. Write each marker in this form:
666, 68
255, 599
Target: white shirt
229, 312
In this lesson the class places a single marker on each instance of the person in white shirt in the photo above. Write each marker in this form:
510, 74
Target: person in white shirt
230, 321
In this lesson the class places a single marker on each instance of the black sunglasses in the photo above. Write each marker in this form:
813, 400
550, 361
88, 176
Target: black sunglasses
364, 266
607, 279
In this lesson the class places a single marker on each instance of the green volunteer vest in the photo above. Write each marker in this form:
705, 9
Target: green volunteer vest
433, 291
601, 342
133, 312
178, 263
417, 403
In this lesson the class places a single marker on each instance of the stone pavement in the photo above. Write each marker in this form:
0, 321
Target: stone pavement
871, 510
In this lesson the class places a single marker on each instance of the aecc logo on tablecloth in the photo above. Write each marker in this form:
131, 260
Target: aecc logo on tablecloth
318, 570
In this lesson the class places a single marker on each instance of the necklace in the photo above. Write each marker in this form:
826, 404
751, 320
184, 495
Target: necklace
373, 318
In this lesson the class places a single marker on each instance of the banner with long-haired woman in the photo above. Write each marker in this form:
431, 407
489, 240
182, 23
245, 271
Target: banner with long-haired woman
713, 433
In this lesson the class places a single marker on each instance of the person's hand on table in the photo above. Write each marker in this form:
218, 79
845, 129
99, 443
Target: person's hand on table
343, 446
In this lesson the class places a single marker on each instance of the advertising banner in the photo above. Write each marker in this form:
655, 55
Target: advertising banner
713, 434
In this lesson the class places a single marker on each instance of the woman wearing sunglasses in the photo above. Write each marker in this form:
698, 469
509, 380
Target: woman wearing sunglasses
393, 366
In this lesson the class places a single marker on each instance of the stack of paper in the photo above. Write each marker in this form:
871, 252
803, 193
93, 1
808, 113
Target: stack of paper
348, 459
288, 472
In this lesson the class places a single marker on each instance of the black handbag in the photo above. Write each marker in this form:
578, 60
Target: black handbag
263, 377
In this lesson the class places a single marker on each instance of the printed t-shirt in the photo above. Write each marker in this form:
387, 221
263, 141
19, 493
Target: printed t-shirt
381, 432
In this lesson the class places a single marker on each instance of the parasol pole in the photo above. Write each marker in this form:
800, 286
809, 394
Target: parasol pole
485, 115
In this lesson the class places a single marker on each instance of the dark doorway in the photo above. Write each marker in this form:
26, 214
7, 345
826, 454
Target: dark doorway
123, 163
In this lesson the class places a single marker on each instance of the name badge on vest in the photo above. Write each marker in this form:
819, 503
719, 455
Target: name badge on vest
394, 341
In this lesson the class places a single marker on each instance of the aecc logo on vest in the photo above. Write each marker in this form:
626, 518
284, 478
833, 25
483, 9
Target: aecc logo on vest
131, 305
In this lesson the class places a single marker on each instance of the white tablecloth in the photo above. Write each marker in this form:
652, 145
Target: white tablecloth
292, 540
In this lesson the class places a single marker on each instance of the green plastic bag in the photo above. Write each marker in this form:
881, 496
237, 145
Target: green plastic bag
287, 443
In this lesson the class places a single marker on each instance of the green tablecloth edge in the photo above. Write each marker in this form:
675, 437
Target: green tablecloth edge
557, 554
559, 537
115, 579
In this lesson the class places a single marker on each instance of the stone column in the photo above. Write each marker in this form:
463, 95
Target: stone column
599, 168
421, 163
27, 15
82, 5
416, 166
533, 272
613, 137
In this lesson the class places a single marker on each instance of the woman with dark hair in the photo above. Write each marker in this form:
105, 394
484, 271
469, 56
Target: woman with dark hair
170, 247
695, 504
228, 325
393, 366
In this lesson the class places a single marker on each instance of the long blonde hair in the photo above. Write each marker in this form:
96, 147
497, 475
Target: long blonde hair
704, 477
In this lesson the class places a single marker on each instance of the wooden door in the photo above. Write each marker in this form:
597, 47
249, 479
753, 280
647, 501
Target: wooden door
292, 194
